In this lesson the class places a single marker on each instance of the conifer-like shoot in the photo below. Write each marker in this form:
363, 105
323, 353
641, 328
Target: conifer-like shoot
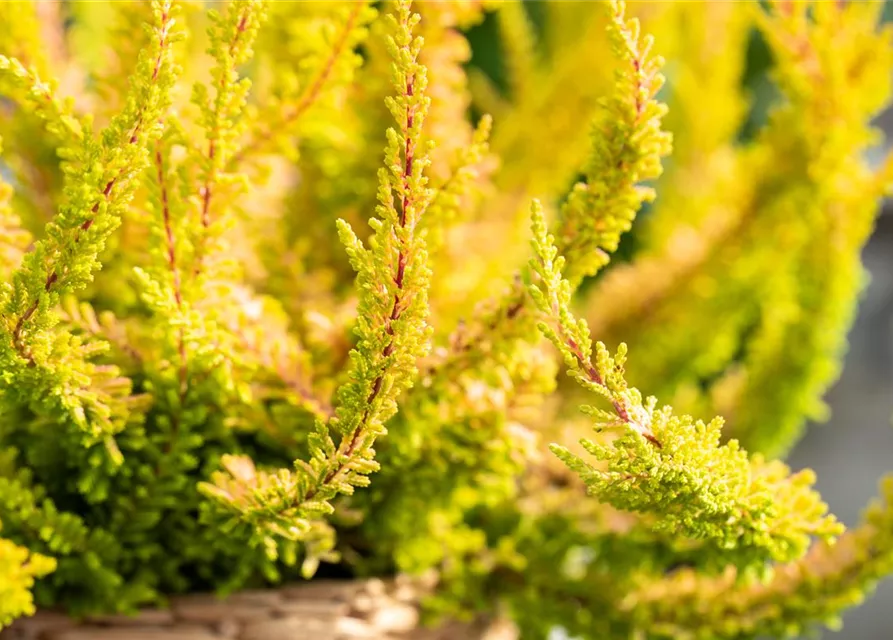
746, 511
392, 332
627, 147
102, 173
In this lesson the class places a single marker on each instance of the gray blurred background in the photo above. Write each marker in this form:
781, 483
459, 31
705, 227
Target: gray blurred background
854, 449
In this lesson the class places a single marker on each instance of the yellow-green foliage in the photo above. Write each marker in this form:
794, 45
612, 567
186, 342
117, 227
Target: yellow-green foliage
238, 346
19, 568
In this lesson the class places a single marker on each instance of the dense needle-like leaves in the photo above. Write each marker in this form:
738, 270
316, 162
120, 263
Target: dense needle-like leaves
235, 345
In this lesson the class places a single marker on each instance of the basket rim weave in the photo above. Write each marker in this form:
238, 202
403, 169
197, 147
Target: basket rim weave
371, 609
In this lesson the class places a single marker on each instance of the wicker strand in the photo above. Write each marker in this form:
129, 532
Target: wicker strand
325, 610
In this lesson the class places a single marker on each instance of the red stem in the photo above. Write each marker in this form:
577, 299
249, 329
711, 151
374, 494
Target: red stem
211, 177
515, 309
593, 374
53, 276
172, 263
312, 94
406, 204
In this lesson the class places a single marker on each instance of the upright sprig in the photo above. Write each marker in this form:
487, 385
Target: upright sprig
392, 329
628, 145
392, 275
746, 512
27, 87
190, 212
184, 283
232, 37
47, 369
334, 62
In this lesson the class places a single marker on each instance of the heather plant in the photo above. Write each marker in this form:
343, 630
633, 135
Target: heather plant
238, 346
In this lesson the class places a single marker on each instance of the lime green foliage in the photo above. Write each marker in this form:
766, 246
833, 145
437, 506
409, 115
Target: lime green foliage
237, 348
627, 148
812, 590
19, 568
102, 172
494, 367
392, 333
671, 466
745, 349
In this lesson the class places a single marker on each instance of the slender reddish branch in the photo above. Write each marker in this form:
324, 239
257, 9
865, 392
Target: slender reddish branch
214, 135
172, 263
518, 292
619, 407
406, 204
53, 275
310, 96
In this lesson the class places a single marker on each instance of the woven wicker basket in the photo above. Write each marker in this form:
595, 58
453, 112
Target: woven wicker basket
327, 610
